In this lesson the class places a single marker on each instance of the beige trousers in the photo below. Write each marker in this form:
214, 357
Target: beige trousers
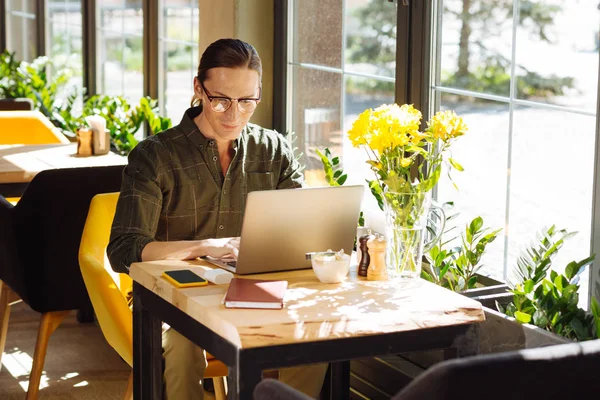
185, 364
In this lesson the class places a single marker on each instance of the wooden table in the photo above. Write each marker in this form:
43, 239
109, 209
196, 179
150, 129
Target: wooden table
319, 323
20, 163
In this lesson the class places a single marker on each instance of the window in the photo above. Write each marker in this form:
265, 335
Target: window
342, 61
178, 55
524, 75
21, 29
119, 29
64, 37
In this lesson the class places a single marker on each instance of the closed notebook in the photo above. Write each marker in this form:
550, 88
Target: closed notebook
255, 293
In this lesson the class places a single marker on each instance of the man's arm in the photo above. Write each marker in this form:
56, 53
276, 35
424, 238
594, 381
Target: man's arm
138, 208
291, 170
190, 249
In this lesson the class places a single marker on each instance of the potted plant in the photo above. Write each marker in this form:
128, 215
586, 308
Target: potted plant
549, 300
455, 266
57, 101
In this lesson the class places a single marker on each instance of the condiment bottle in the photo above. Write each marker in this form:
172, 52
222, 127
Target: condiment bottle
84, 142
365, 259
377, 270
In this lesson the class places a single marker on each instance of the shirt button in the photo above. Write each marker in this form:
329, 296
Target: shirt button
215, 158
221, 227
201, 147
212, 143
224, 191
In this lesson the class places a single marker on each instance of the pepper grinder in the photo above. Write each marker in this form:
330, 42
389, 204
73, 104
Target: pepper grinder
377, 270
365, 259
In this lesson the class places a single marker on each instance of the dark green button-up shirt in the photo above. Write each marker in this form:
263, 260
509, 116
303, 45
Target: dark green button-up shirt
173, 187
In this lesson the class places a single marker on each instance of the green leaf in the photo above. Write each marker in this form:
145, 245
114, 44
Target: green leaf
455, 164
579, 329
595, 308
475, 225
425, 275
522, 317
327, 167
571, 270
528, 286
472, 281
377, 192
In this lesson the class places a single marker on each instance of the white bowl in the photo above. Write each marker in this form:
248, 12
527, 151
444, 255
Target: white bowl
329, 269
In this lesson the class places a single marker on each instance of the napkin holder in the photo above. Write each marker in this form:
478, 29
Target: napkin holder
100, 137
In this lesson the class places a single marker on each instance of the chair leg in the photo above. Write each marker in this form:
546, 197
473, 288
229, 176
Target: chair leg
4, 314
48, 324
220, 384
129, 390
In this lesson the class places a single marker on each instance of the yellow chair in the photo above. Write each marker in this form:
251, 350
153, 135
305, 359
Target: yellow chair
28, 127
108, 289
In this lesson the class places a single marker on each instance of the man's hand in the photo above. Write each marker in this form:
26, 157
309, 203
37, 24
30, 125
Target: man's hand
220, 248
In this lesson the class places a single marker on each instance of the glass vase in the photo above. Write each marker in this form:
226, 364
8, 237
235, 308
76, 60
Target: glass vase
408, 233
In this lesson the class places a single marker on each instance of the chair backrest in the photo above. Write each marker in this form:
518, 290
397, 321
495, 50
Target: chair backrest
23, 104
551, 373
28, 127
106, 288
48, 222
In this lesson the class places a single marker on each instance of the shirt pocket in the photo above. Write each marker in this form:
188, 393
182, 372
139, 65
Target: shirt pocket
260, 181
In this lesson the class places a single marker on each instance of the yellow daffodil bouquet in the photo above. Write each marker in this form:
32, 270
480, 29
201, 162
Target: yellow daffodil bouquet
407, 163
391, 136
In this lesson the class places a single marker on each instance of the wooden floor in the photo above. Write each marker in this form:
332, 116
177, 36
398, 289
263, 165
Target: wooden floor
79, 363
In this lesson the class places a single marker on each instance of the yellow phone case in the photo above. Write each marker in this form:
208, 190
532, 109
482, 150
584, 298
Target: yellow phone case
183, 285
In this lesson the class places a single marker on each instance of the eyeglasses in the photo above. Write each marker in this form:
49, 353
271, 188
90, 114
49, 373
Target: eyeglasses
221, 104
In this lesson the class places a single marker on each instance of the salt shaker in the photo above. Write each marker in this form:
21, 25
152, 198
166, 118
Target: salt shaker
377, 270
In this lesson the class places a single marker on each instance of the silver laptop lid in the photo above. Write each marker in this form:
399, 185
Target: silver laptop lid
281, 226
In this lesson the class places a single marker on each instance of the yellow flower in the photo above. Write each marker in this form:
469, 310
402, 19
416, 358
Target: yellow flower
405, 162
391, 126
446, 125
360, 132
417, 137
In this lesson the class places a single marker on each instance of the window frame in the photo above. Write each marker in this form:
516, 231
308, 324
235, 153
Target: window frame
40, 26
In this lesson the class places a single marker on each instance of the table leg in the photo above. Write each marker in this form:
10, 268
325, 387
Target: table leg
147, 351
243, 378
340, 380
465, 345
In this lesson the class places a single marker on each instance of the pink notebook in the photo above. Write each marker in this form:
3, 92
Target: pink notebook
255, 293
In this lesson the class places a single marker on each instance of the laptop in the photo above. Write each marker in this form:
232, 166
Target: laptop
281, 226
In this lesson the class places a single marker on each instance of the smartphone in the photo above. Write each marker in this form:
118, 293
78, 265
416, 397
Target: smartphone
184, 278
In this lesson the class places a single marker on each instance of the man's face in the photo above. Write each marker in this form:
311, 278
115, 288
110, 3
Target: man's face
235, 83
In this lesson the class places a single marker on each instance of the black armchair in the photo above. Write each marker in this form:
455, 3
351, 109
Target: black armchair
24, 104
566, 371
39, 244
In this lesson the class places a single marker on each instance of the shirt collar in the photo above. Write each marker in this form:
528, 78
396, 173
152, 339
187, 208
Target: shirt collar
190, 129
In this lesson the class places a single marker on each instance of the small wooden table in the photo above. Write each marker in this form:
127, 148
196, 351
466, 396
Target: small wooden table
20, 163
319, 323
